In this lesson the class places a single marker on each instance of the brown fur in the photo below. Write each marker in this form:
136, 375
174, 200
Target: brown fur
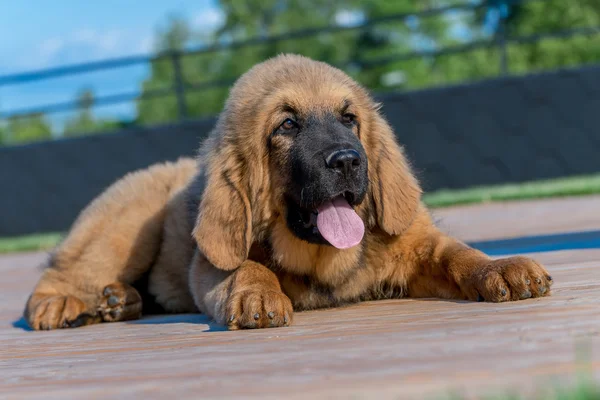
210, 235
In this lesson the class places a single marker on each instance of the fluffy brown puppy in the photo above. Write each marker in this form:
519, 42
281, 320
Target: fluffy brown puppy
301, 198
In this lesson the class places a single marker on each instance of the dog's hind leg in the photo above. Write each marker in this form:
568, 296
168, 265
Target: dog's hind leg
56, 303
112, 244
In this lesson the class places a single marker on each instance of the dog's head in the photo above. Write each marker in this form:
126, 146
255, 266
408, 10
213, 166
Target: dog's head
300, 141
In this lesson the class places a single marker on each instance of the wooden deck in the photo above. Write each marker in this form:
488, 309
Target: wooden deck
390, 349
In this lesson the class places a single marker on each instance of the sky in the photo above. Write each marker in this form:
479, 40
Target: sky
39, 34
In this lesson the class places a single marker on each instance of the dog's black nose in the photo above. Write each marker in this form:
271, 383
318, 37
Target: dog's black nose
343, 161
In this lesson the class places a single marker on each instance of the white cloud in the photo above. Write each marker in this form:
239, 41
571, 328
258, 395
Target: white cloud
88, 44
107, 42
208, 20
84, 36
146, 44
85, 45
51, 46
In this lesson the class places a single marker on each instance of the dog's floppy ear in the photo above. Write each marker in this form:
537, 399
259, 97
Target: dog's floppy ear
223, 229
395, 191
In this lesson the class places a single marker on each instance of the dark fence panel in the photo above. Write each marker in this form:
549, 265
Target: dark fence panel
45, 185
504, 130
511, 129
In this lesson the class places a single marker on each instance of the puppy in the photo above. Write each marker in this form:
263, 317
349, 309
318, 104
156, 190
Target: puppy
301, 198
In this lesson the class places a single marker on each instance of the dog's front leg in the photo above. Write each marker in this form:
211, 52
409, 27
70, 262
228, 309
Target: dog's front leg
249, 297
477, 276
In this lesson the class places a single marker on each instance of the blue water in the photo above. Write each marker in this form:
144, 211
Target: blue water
542, 243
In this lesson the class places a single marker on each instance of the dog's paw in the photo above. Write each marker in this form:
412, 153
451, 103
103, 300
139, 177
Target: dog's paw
509, 279
57, 312
120, 302
250, 309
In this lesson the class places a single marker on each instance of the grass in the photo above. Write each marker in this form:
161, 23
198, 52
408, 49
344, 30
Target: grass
585, 389
572, 186
579, 392
582, 391
43, 241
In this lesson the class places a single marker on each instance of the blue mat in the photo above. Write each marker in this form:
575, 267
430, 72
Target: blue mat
542, 243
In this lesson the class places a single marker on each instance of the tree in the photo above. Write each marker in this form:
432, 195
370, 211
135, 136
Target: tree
351, 49
266, 18
552, 16
30, 128
538, 17
85, 122
364, 47
173, 37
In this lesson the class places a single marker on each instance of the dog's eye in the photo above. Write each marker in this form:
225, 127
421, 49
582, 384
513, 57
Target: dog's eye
287, 127
288, 124
349, 119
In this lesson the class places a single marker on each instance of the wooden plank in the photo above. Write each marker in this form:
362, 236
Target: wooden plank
523, 218
387, 349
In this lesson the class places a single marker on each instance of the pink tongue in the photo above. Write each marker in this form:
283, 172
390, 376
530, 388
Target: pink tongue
339, 224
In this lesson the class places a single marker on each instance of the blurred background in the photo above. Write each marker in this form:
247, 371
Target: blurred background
480, 92
78, 68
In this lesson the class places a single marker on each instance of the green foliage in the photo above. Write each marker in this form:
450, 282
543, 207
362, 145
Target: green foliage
35, 242
173, 37
246, 19
27, 129
550, 16
570, 186
266, 18
85, 122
